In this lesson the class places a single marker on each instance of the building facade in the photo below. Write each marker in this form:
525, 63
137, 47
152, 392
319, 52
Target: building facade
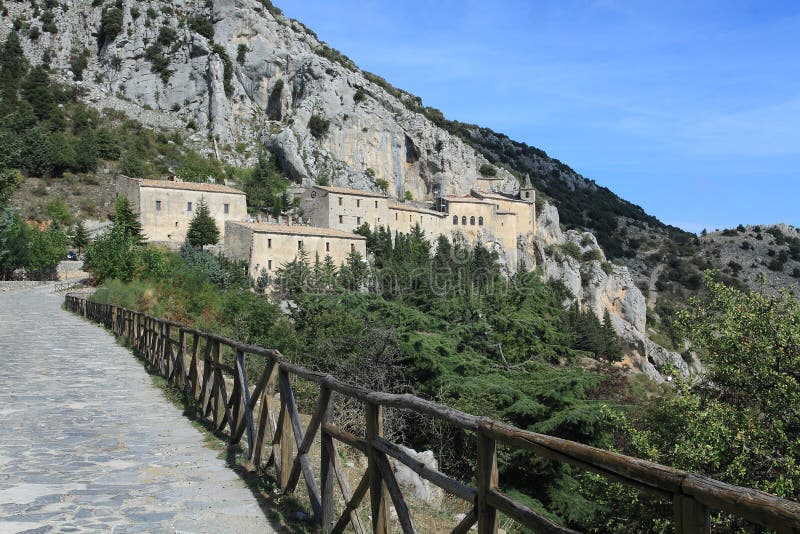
492, 218
166, 207
268, 246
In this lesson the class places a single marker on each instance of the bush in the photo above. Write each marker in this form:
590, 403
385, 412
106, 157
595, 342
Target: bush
166, 36
360, 96
110, 25
202, 25
241, 53
227, 69
318, 126
571, 249
593, 254
487, 170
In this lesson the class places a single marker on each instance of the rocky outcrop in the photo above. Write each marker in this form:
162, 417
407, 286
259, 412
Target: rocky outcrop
279, 76
575, 259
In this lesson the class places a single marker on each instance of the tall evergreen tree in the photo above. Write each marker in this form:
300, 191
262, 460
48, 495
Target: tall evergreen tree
80, 236
203, 229
127, 222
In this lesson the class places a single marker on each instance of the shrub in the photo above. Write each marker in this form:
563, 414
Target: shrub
241, 53
202, 25
227, 69
78, 62
487, 170
318, 125
166, 36
593, 254
571, 249
360, 95
135, 13
110, 25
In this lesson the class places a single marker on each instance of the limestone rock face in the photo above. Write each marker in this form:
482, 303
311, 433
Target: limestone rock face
279, 79
601, 286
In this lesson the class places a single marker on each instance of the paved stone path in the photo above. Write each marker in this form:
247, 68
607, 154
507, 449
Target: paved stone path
88, 443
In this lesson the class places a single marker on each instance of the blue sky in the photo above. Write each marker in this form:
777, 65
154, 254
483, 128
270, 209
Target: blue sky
691, 110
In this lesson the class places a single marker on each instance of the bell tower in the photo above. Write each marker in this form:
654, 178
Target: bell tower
526, 190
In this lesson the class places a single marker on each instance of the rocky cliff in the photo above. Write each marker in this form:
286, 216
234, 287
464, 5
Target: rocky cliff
239, 74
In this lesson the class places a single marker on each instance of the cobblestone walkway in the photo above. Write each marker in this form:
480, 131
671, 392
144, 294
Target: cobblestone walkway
88, 443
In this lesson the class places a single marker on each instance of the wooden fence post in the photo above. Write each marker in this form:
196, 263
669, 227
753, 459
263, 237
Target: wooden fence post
327, 473
487, 479
378, 494
287, 438
691, 517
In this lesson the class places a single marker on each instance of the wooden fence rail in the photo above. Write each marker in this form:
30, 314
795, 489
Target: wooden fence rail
193, 361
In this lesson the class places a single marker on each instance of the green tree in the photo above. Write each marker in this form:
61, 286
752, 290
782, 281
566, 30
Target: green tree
353, 273
203, 228
132, 164
59, 212
113, 254
196, 168
47, 248
266, 185
9, 181
127, 222
87, 152
740, 421
14, 238
80, 236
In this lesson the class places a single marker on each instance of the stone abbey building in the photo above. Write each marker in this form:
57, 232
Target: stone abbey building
330, 215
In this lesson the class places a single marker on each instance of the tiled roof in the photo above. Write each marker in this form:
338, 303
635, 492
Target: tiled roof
190, 186
408, 207
285, 229
348, 191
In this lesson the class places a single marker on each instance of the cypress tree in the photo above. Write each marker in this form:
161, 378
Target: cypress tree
80, 237
127, 221
203, 228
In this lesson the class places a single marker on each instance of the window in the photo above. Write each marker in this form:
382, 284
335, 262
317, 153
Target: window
158, 205
527, 194
376, 204
410, 218
341, 219
358, 221
395, 216
472, 220
327, 247
352, 247
269, 264
464, 220
188, 206
340, 201
455, 220
480, 221
226, 208
358, 202
299, 245
269, 243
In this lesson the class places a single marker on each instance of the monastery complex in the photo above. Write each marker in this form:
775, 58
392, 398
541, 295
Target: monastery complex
330, 215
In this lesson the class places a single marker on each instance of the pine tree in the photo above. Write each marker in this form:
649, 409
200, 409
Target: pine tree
127, 222
80, 236
203, 229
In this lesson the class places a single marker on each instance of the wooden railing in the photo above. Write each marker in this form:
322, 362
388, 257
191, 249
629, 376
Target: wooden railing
192, 360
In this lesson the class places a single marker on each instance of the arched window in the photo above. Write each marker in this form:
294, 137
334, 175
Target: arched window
480, 221
455, 219
472, 220
464, 220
